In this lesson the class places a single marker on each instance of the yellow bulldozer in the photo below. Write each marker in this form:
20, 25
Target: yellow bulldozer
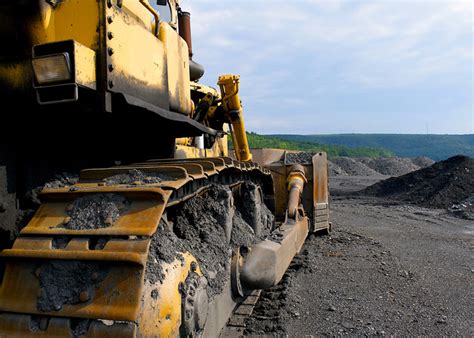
122, 211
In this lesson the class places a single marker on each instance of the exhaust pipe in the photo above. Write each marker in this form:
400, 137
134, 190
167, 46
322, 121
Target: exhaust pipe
196, 71
184, 22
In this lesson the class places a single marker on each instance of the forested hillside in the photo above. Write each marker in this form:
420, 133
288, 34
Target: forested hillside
262, 141
437, 147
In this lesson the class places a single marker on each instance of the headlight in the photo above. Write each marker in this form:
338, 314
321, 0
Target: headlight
52, 68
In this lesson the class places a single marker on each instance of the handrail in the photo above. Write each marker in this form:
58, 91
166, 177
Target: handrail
155, 14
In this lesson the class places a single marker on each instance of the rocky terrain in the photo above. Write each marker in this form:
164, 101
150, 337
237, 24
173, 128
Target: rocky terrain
382, 166
392, 266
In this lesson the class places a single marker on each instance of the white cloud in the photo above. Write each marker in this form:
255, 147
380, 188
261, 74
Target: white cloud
315, 47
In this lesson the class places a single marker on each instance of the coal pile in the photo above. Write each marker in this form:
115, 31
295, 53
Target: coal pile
390, 166
353, 167
442, 185
386, 166
365, 166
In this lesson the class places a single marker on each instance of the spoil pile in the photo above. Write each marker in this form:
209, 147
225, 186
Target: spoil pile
387, 166
390, 166
441, 185
365, 166
353, 167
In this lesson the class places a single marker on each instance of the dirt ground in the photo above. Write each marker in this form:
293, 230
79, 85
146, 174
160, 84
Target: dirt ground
386, 269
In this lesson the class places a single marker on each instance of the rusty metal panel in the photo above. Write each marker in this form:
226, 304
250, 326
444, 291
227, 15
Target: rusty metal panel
265, 157
320, 192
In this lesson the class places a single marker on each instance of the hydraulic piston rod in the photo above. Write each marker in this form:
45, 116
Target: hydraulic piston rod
229, 85
296, 181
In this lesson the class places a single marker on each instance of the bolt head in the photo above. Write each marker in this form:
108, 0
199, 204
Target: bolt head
84, 296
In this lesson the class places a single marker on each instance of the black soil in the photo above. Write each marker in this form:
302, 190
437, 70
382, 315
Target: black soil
62, 180
135, 176
439, 186
464, 209
61, 283
301, 158
196, 227
96, 211
271, 312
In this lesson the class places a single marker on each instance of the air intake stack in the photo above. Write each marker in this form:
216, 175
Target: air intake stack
195, 69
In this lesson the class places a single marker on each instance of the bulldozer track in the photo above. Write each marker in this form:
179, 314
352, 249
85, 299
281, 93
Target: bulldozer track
236, 325
123, 244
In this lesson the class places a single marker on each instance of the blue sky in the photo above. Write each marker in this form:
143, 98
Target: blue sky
342, 66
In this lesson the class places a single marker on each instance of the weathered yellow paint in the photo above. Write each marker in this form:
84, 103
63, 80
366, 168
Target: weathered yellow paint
85, 60
164, 316
136, 10
229, 85
177, 61
77, 20
70, 20
138, 58
184, 150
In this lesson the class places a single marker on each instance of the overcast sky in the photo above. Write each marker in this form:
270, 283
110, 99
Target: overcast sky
342, 66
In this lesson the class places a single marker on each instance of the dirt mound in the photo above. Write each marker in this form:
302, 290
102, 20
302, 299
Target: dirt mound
335, 170
439, 186
423, 161
353, 167
390, 166
366, 166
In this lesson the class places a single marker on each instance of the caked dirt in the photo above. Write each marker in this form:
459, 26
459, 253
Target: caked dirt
199, 227
388, 268
96, 211
65, 283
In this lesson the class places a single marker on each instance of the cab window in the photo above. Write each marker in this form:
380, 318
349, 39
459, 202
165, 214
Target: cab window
164, 10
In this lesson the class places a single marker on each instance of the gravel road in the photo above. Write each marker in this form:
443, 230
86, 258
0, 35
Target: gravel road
385, 270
